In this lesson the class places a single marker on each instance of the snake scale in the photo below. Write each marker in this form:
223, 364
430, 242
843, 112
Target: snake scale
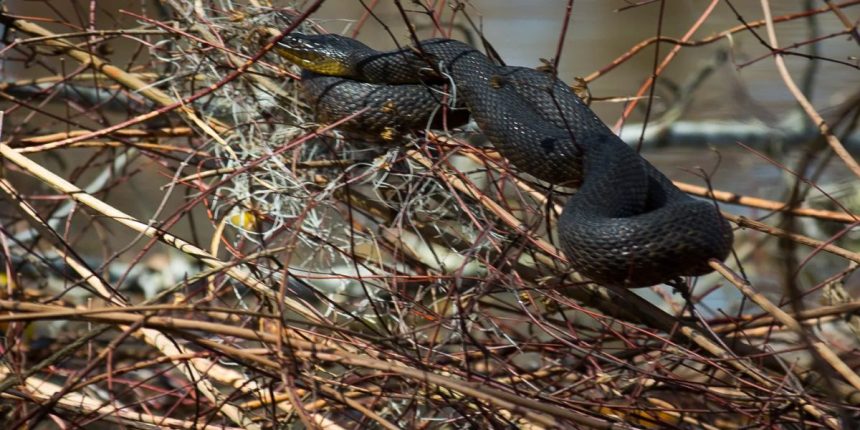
627, 225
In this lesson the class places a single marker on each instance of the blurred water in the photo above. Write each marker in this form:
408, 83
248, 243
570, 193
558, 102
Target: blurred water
524, 32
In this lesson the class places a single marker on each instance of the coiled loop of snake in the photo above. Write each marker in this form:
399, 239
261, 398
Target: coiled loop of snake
628, 225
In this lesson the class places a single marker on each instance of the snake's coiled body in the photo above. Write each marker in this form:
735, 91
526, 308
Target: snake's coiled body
628, 225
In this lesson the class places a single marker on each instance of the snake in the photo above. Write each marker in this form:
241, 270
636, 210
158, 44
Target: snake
627, 224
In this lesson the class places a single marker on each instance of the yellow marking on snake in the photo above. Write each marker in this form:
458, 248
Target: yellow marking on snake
389, 107
314, 62
389, 134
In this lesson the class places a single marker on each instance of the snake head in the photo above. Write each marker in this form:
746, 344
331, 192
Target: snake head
326, 54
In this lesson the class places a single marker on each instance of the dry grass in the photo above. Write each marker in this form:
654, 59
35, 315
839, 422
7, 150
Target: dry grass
183, 247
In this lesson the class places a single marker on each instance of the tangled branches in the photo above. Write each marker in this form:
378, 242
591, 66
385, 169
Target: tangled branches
183, 246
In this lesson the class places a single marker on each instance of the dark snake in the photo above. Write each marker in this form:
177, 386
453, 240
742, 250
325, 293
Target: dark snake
627, 225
